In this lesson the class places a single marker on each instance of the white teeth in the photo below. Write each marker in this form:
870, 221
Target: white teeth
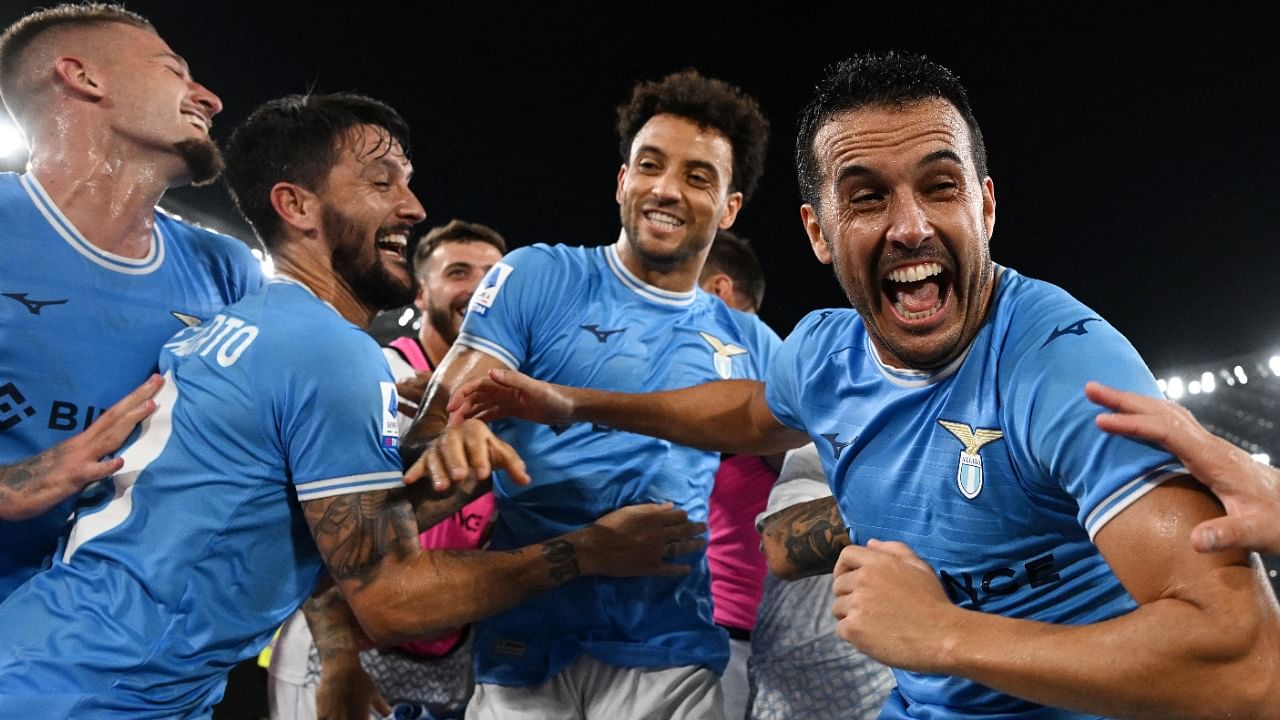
398, 240
917, 315
198, 119
661, 219
915, 273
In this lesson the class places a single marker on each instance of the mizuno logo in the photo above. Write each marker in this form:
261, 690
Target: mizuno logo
1075, 328
185, 319
722, 357
33, 306
969, 478
601, 335
837, 447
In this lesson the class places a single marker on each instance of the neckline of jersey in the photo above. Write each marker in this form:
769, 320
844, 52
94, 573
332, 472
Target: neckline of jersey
649, 292
73, 237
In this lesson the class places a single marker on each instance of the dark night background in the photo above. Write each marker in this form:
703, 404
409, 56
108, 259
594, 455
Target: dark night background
1134, 151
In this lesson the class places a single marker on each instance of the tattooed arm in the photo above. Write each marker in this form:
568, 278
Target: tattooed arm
400, 592
804, 539
32, 486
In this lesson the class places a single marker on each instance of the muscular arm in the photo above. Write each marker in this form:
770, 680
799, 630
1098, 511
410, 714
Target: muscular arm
804, 539
725, 416
1204, 641
400, 592
32, 486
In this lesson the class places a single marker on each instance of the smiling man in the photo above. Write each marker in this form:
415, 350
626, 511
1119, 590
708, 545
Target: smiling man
273, 458
114, 119
1008, 557
628, 316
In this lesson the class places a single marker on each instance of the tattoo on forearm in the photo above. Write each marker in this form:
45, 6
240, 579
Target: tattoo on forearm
30, 475
431, 507
355, 532
813, 534
564, 562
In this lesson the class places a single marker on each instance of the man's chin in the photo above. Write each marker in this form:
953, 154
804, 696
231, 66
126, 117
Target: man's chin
203, 159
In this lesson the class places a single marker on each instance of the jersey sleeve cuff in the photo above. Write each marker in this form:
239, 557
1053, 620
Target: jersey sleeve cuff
488, 347
365, 482
1128, 494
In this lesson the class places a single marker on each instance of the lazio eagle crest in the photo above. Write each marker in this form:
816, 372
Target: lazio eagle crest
969, 472
722, 358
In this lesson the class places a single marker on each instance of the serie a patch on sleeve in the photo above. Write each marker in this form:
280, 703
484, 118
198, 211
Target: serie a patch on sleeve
484, 296
390, 426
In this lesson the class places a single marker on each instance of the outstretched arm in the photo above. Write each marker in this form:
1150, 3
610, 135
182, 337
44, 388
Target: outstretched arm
725, 416
32, 486
369, 542
1249, 490
1204, 641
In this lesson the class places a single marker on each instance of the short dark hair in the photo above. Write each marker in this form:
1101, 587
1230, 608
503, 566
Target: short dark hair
892, 79
298, 139
709, 103
733, 256
455, 231
19, 37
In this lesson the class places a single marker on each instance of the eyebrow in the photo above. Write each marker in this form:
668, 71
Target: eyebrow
700, 164
177, 58
851, 171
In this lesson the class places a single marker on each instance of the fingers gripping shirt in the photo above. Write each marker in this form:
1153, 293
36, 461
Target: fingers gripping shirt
187, 560
576, 316
991, 468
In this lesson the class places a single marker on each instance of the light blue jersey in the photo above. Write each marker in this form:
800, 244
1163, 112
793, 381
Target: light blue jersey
80, 328
991, 469
197, 548
576, 316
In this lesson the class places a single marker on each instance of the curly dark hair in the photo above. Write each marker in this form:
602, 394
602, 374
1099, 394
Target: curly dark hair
709, 103
892, 79
298, 139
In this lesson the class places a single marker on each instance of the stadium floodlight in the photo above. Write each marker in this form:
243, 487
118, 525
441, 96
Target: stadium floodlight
1193, 387
1161, 385
1274, 364
1239, 371
1175, 391
1207, 383
1263, 458
405, 316
12, 146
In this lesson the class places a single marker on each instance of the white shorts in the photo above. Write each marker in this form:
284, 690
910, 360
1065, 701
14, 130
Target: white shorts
591, 690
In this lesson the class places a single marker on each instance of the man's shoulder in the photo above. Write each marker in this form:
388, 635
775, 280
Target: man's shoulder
201, 241
1032, 315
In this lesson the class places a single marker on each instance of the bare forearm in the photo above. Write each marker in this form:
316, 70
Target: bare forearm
431, 506
439, 590
1167, 659
26, 488
725, 416
333, 627
804, 539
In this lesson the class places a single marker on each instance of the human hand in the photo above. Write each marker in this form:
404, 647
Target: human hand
346, 692
507, 393
466, 453
640, 540
1248, 490
890, 605
32, 486
409, 392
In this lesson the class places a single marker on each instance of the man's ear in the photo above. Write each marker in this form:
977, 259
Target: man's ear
80, 77
298, 207
809, 218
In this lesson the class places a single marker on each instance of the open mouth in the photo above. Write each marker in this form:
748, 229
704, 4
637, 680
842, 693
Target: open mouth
197, 120
917, 292
662, 220
392, 243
